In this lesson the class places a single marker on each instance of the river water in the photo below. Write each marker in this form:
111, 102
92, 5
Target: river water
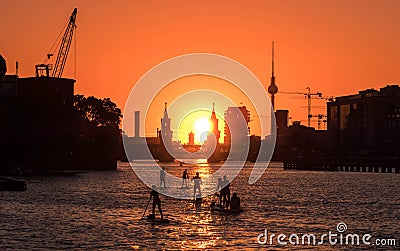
102, 210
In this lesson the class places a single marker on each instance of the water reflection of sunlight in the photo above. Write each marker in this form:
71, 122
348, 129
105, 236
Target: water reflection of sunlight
205, 244
200, 225
200, 161
204, 170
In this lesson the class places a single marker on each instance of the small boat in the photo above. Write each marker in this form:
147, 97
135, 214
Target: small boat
219, 209
7, 184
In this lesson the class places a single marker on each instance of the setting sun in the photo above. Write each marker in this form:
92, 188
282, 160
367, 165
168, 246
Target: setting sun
201, 127
197, 122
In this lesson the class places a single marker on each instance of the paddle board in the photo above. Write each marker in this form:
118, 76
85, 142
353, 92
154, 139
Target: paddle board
184, 188
151, 219
159, 221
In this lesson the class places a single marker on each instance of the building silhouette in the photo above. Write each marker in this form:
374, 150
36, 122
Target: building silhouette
37, 123
164, 149
191, 139
213, 139
190, 146
363, 134
236, 132
138, 148
166, 132
41, 131
234, 118
214, 125
365, 125
165, 135
281, 117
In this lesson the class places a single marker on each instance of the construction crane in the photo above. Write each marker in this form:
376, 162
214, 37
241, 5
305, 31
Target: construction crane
320, 119
323, 117
57, 71
309, 95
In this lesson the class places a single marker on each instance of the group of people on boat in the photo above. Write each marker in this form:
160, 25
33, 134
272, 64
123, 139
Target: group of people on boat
225, 199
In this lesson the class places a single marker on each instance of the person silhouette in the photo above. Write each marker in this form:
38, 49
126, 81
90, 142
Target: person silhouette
156, 201
185, 178
197, 183
219, 188
226, 192
162, 176
235, 202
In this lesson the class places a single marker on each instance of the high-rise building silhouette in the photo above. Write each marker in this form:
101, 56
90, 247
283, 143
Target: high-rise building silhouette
236, 122
281, 121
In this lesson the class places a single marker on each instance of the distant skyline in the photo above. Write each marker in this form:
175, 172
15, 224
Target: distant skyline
335, 47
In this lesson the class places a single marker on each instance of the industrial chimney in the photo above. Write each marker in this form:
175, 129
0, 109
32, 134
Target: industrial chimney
137, 124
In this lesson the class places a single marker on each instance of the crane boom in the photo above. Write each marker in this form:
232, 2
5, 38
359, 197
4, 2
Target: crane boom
65, 45
308, 95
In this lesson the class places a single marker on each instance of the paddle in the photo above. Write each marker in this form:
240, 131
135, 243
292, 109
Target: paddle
148, 202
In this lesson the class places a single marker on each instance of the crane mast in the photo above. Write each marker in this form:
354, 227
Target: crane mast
57, 71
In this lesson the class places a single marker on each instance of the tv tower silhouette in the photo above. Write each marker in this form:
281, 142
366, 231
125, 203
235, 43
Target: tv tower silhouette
273, 89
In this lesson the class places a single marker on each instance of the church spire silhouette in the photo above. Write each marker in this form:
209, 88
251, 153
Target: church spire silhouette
214, 124
213, 115
166, 131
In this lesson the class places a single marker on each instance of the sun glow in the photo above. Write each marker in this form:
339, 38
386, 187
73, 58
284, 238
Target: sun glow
201, 127
197, 122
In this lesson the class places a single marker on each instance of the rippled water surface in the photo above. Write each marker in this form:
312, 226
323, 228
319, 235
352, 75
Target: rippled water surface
103, 210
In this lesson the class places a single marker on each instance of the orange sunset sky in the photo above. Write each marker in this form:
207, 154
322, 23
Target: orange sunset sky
335, 47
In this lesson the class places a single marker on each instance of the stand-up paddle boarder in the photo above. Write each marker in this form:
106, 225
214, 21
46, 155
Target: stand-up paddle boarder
156, 201
162, 177
197, 183
185, 178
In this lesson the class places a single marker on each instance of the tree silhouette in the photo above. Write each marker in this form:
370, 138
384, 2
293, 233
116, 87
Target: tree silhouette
100, 143
99, 112
3, 67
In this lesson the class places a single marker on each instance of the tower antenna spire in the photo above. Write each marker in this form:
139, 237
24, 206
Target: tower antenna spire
273, 89
273, 60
